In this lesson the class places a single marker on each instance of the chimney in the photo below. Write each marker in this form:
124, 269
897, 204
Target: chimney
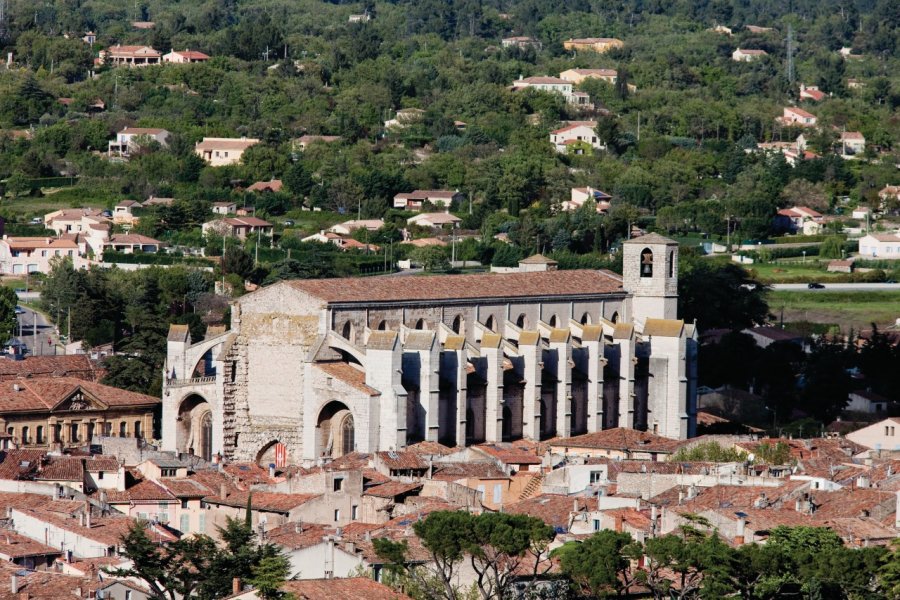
862, 482
740, 531
14, 584
223, 491
120, 479
81, 520
619, 521
272, 470
88, 518
236, 585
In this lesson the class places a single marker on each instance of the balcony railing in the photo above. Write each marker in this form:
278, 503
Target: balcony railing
192, 381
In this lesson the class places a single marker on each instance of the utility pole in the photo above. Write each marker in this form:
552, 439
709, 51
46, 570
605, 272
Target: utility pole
258, 239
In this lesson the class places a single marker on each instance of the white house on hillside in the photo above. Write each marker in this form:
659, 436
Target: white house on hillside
128, 140
574, 133
885, 246
742, 55
553, 84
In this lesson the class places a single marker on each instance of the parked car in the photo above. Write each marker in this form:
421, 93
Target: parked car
816, 286
37, 221
288, 223
20, 310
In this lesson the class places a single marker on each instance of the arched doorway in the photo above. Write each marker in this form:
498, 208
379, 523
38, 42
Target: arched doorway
266, 455
335, 430
194, 433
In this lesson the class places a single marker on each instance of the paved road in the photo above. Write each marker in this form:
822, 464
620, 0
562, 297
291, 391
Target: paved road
35, 332
839, 287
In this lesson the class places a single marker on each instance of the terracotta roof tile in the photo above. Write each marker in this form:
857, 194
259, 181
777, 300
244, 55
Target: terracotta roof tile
553, 509
62, 468
145, 491
354, 588
454, 471
76, 365
619, 438
14, 545
401, 461
509, 453
392, 489
264, 501
347, 373
464, 287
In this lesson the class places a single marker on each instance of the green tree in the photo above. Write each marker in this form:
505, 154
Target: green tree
719, 295
601, 565
445, 535
432, 258
269, 576
832, 247
8, 319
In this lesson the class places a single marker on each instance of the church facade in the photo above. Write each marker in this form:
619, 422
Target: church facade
320, 368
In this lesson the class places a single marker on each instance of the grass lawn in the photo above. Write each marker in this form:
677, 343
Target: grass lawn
846, 310
811, 268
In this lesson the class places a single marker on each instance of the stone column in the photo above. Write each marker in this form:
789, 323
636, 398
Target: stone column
562, 350
592, 341
626, 381
383, 372
425, 344
530, 351
457, 345
493, 414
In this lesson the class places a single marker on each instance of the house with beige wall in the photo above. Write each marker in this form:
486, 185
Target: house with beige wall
220, 152
880, 436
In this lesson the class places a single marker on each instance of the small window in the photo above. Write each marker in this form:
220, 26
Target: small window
100, 476
498, 493
457, 324
123, 429
137, 429
184, 503
39, 434
337, 515
522, 321
596, 524
26, 435
596, 476
338, 484
354, 512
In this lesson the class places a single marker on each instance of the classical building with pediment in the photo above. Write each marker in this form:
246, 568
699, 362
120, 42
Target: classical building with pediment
60, 412
320, 368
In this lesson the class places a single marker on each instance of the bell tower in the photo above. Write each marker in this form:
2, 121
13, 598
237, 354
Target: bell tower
650, 275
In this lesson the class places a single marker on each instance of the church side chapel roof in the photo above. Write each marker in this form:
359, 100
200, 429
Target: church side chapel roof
348, 374
419, 340
461, 287
663, 327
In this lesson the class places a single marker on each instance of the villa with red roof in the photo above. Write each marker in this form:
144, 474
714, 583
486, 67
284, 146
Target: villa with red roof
576, 137
797, 117
185, 56
131, 56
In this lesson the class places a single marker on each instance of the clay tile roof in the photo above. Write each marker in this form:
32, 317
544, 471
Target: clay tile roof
144, 491
426, 447
275, 185
187, 488
591, 333
466, 287
619, 438
296, 535
453, 471
800, 112
392, 489
226, 143
264, 501
553, 509
354, 588
76, 365
559, 335
178, 333
491, 340
101, 463
419, 340
663, 327
538, 259
13, 545
623, 331
401, 461
348, 374
529, 338
652, 238
62, 468
382, 340
510, 454
454, 342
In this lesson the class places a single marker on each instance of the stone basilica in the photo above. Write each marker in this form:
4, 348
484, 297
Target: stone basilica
325, 367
